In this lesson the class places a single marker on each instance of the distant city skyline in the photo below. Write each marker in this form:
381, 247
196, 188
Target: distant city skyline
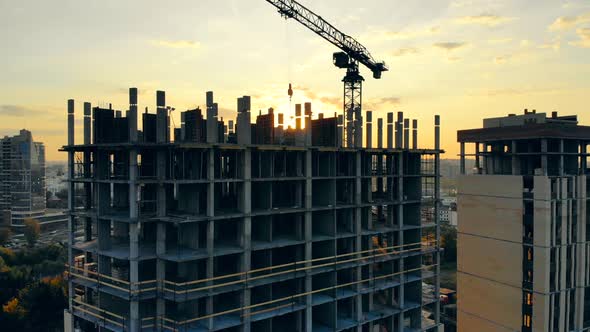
462, 59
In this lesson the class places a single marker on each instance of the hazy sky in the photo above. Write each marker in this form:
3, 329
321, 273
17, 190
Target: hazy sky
462, 59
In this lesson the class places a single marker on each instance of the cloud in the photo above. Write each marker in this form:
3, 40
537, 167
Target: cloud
381, 35
390, 100
16, 110
500, 60
176, 43
584, 34
405, 51
516, 91
568, 22
450, 46
380, 103
500, 40
461, 4
555, 45
489, 20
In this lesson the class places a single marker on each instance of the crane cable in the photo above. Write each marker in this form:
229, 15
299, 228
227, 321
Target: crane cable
288, 60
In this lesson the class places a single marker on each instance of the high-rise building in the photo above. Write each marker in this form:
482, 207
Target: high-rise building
523, 233
213, 236
22, 178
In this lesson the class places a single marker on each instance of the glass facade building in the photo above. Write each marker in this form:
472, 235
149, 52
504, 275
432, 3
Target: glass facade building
22, 178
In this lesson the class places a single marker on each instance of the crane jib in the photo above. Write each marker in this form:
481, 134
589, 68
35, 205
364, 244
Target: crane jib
353, 53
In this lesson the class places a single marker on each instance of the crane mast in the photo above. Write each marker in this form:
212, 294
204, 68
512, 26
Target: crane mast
353, 53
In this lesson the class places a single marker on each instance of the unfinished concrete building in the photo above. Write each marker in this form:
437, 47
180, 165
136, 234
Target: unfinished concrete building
265, 228
523, 225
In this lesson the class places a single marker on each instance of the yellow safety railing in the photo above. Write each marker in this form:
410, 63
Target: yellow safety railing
176, 324
294, 267
171, 324
99, 313
376, 253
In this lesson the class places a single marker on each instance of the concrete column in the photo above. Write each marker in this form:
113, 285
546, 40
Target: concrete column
87, 123
462, 158
134, 229
308, 239
71, 129
544, 164
583, 158
477, 158
210, 229
247, 233
390, 130
160, 273
380, 133
369, 134
87, 174
400, 218
134, 319
437, 214
406, 134
161, 236
162, 118
399, 130
580, 252
71, 204
340, 132
132, 117
358, 229
515, 165
307, 122
561, 169
358, 129
485, 159
414, 134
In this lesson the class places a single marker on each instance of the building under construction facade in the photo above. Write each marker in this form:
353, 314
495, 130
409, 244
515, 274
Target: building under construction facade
253, 227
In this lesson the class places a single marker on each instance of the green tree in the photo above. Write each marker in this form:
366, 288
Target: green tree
44, 302
5, 235
32, 231
448, 236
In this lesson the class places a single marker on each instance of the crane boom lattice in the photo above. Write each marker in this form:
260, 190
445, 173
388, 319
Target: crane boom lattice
352, 54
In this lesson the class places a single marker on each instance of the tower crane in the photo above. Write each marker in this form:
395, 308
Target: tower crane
352, 54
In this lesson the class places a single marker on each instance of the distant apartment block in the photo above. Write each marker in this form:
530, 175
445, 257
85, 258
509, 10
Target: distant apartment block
252, 227
22, 179
523, 234
448, 211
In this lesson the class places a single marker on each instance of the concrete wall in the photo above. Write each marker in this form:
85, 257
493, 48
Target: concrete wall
489, 253
541, 312
490, 206
497, 260
473, 323
492, 301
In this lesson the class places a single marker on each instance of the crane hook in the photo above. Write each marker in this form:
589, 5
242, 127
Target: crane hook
290, 92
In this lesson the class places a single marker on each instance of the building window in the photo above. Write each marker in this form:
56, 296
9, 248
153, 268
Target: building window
526, 321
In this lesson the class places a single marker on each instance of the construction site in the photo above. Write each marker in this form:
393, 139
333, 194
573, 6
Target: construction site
202, 233
254, 225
